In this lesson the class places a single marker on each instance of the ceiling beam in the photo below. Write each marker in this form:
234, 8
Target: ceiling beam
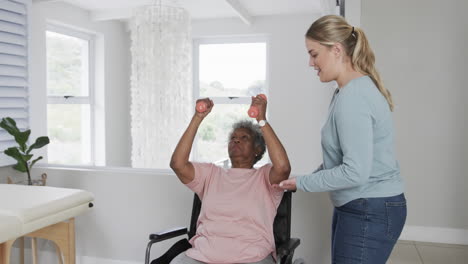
241, 11
111, 14
127, 13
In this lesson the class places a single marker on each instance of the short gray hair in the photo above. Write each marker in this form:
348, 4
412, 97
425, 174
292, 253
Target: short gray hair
255, 131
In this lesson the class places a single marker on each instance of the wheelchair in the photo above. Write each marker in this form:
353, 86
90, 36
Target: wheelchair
285, 245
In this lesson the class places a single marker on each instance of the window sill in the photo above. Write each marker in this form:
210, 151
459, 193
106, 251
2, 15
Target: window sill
104, 169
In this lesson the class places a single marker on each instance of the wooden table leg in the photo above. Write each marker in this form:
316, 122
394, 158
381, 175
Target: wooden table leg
5, 251
63, 235
21, 241
71, 239
34, 250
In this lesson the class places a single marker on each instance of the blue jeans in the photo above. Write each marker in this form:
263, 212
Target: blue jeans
365, 230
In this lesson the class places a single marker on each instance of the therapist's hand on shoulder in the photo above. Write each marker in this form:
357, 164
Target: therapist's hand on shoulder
289, 184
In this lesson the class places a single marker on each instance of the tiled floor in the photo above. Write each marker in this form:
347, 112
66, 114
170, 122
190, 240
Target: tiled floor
410, 252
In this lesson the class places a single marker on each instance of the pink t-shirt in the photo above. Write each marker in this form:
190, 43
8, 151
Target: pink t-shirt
236, 219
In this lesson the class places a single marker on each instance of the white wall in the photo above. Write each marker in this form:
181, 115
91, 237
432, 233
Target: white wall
421, 52
113, 68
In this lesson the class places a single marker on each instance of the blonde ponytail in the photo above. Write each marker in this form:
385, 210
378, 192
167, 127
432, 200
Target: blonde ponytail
332, 29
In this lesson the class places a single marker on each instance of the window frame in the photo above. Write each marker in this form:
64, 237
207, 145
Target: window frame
235, 100
79, 100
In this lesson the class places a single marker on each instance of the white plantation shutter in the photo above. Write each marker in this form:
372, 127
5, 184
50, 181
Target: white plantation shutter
13, 69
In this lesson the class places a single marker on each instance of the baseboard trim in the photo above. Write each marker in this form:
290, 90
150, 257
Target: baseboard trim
94, 260
435, 235
46, 256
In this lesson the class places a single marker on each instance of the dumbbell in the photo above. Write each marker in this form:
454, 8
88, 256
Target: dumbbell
201, 106
253, 110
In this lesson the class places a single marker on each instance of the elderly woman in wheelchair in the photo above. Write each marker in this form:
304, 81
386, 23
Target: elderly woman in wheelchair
239, 204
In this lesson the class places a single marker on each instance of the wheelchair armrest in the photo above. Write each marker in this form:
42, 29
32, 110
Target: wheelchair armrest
161, 236
178, 231
287, 247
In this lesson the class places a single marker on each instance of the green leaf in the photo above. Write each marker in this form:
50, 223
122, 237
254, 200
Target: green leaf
10, 126
34, 162
40, 142
21, 138
20, 167
21, 153
14, 153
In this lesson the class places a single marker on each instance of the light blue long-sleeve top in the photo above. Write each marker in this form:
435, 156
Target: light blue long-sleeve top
358, 147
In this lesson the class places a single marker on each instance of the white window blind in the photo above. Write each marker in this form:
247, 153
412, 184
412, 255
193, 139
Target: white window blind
13, 69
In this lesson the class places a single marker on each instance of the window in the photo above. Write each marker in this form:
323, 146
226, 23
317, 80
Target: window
13, 70
229, 71
70, 105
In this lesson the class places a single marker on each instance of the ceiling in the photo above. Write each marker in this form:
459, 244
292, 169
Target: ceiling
247, 10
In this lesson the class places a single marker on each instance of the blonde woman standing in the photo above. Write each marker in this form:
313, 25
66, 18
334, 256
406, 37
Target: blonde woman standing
359, 167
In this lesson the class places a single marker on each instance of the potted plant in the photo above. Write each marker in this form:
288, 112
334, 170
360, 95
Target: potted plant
22, 152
